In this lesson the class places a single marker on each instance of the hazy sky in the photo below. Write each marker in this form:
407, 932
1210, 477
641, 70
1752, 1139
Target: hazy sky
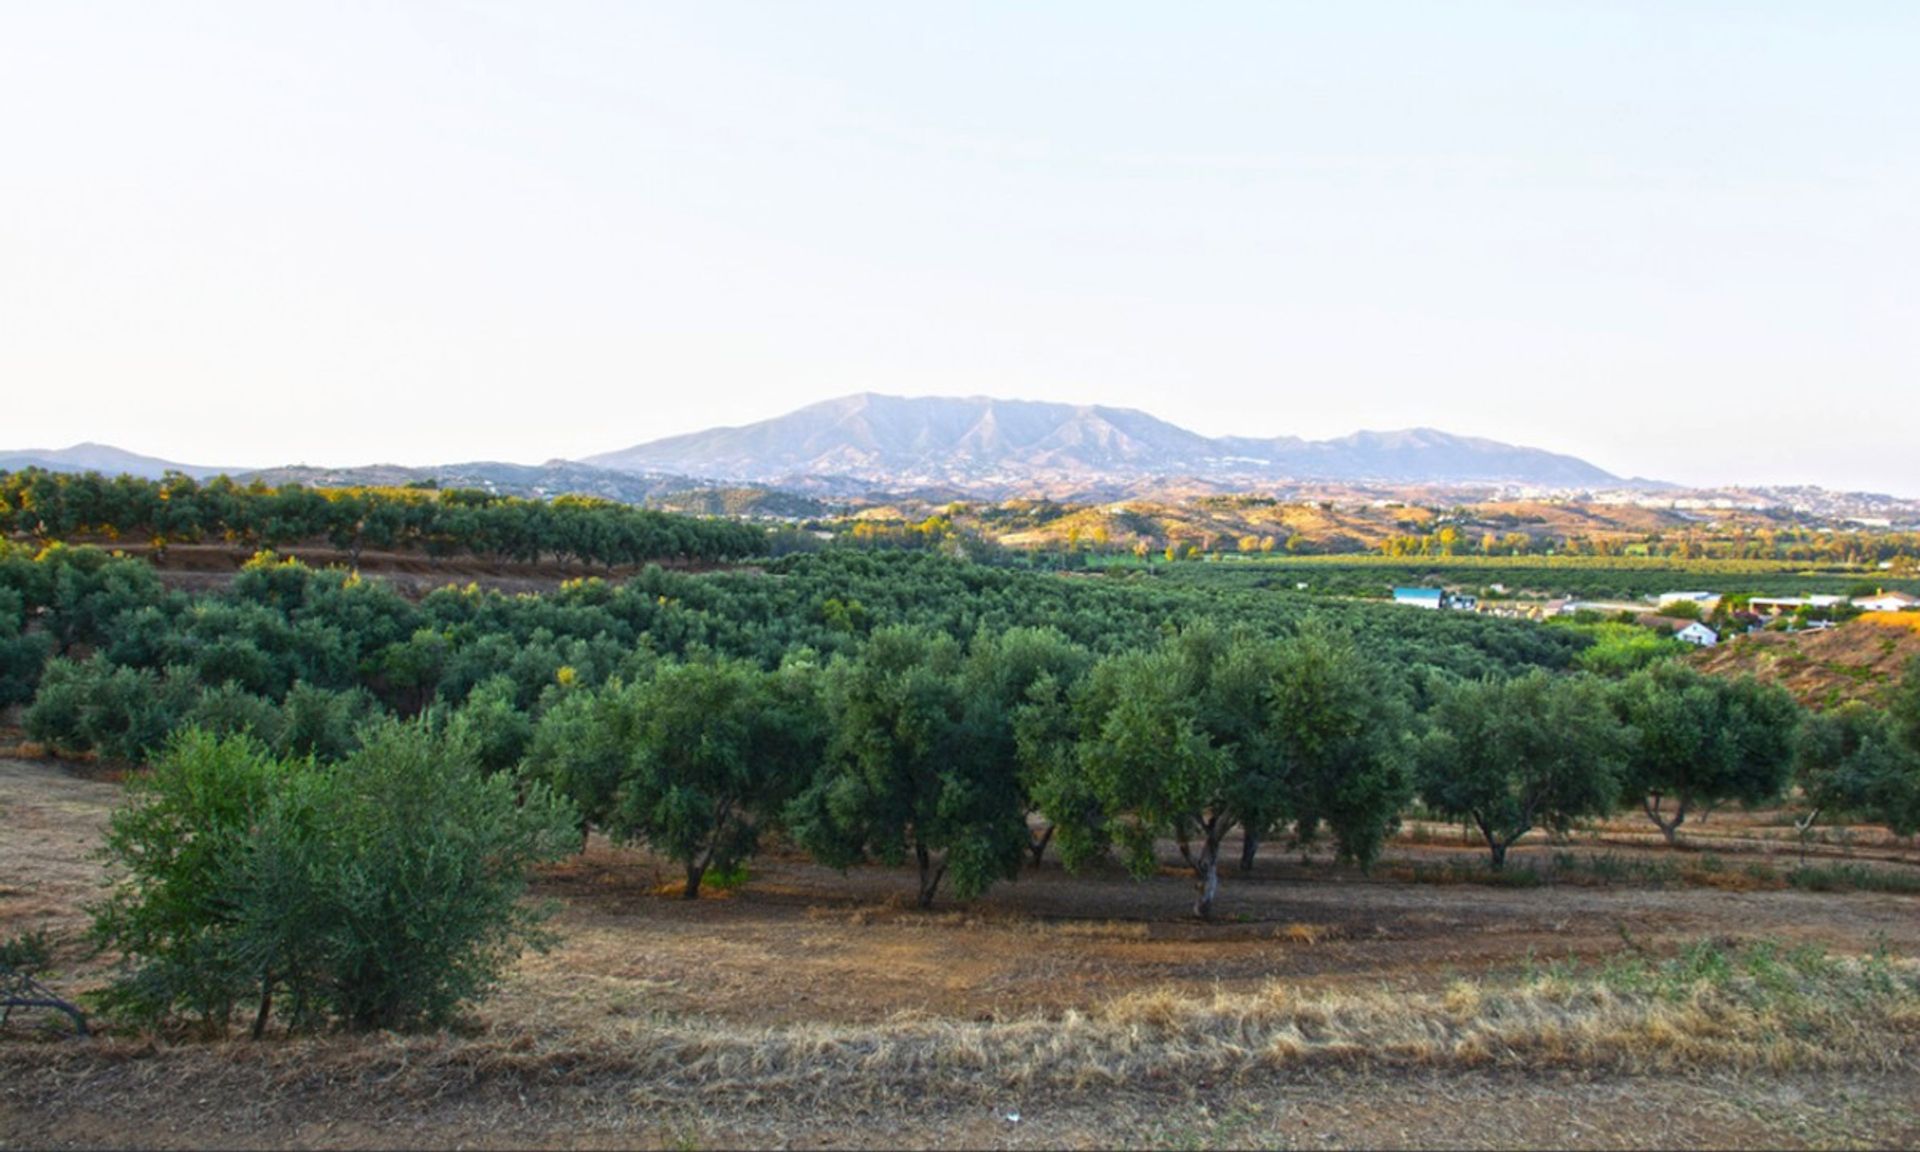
1680, 239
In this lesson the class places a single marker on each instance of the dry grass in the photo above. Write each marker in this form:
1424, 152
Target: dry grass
1716, 1005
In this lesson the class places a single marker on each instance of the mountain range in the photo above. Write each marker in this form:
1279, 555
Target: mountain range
959, 445
977, 441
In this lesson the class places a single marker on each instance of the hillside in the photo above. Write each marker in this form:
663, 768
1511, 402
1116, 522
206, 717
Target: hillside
1244, 522
984, 444
102, 458
1856, 661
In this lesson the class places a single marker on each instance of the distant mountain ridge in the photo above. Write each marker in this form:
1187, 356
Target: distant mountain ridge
969, 441
104, 459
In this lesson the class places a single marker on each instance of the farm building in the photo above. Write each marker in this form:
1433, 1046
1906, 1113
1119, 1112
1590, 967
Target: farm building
1887, 602
1775, 605
1698, 635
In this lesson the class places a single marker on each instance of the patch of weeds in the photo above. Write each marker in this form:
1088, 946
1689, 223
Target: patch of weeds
1613, 868
1852, 878
1469, 872
725, 879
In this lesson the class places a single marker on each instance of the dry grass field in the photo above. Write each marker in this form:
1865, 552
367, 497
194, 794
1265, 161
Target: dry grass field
1657, 998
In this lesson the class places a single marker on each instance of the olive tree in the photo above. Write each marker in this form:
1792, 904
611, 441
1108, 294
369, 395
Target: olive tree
1209, 733
1856, 760
1509, 756
1699, 742
910, 772
718, 748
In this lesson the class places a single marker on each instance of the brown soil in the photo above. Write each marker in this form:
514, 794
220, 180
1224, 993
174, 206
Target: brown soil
801, 947
203, 567
1824, 668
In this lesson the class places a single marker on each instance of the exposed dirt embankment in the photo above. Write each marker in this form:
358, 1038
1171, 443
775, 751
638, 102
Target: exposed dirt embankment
197, 567
1856, 661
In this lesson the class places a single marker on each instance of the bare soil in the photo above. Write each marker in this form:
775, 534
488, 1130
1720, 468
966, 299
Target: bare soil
804, 948
1823, 668
207, 567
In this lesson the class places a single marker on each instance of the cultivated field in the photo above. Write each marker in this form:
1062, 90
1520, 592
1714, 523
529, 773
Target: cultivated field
812, 1008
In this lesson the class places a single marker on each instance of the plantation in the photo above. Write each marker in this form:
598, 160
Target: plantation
1132, 832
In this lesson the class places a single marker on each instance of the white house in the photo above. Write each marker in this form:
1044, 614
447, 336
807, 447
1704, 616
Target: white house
1887, 602
1698, 635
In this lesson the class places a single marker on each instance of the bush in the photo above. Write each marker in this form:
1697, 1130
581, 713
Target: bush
381, 893
123, 713
21, 653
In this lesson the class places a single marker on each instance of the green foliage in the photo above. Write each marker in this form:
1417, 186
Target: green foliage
1701, 741
911, 772
1209, 732
230, 710
1904, 708
1342, 727
498, 730
321, 723
382, 893
718, 748
123, 713
22, 654
581, 746
1513, 755
1621, 649
1853, 878
1855, 761
426, 861
569, 529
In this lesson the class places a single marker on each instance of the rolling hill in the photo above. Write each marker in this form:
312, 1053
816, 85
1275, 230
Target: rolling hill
101, 458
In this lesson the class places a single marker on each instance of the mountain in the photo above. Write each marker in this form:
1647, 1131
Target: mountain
979, 441
102, 458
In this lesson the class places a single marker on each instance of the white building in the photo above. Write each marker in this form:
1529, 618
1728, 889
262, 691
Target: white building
1698, 635
1886, 602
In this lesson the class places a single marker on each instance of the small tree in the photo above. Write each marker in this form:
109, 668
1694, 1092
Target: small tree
1513, 755
1152, 769
909, 773
1700, 742
1210, 733
581, 746
383, 892
718, 748
1341, 730
1854, 760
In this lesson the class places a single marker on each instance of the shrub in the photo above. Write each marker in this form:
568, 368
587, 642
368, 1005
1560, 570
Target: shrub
380, 893
123, 713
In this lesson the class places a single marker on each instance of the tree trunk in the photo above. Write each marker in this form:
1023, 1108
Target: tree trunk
1037, 845
694, 873
1249, 845
1668, 828
1206, 882
1496, 844
929, 875
266, 1005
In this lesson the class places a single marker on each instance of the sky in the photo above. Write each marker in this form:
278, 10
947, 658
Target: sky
1679, 240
